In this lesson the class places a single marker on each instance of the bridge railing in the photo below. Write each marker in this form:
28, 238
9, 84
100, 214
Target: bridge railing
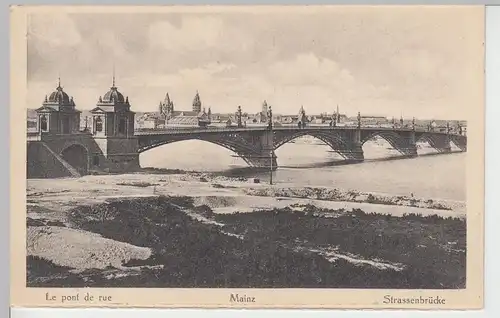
191, 130
33, 136
37, 136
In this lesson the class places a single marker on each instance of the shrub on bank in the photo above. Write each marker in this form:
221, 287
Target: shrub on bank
278, 249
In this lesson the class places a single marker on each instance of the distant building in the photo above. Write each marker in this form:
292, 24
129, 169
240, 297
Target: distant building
258, 118
221, 118
288, 119
374, 120
195, 117
150, 121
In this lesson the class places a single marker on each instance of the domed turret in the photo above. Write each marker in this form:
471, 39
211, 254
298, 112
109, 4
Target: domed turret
113, 111
113, 96
59, 97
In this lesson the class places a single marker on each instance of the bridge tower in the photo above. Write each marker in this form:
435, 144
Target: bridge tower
58, 115
113, 131
60, 149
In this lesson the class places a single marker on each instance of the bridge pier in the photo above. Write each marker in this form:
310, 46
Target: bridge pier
354, 151
442, 143
263, 161
266, 158
410, 147
409, 152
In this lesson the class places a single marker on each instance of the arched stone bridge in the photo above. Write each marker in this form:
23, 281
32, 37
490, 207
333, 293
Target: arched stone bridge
256, 145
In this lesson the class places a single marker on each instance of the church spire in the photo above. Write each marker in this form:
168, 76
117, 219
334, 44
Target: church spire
113, 74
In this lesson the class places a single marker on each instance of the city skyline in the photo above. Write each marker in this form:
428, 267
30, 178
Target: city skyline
371, 64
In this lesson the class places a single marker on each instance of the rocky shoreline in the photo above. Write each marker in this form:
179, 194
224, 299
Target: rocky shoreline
347, 196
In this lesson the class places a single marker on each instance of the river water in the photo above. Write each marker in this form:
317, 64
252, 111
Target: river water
308, 162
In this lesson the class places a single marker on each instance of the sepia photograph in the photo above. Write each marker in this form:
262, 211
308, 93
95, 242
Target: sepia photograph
249, 148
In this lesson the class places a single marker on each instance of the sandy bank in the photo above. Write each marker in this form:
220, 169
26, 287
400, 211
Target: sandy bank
333, 194
80, 249
238, 193
245, 204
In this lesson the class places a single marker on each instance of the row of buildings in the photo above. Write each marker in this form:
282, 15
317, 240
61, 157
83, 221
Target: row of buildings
167, 115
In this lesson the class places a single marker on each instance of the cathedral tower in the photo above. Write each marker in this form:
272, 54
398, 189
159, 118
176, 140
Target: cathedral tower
197, 103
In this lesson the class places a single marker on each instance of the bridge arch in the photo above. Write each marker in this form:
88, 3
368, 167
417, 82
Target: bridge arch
441, 142
336, 142
237, 145
395, 140
424, 138
77, 156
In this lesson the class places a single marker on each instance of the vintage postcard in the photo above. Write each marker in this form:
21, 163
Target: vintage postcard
247, 156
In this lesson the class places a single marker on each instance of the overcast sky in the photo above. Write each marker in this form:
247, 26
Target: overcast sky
415, 62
